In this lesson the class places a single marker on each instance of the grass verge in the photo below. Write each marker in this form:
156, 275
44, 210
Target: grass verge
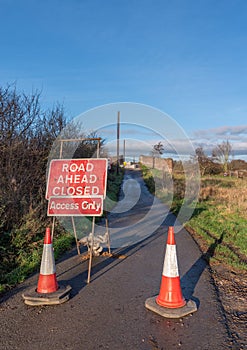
219, 216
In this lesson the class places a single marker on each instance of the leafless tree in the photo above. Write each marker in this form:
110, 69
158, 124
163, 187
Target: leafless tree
205, 163
158, 149
26, 136
221, 154
88, 148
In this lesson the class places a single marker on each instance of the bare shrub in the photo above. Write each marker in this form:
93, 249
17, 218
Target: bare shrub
26, 136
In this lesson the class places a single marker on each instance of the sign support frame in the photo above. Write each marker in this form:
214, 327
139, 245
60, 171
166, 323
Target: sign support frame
72, 217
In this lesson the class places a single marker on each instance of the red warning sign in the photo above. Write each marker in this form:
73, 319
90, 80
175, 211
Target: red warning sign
77, 177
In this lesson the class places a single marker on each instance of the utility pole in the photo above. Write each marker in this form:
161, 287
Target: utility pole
118, 133
124, 150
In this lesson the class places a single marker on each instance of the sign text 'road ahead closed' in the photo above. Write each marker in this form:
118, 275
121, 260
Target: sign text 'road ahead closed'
75, 179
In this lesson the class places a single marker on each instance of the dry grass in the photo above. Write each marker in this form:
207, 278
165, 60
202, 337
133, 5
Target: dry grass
228, 195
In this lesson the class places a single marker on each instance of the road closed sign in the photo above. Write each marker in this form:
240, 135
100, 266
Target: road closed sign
77, 177
76, 186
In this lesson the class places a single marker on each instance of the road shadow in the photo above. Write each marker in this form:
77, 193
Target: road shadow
135, 215
78, 267
197, 211
8, 294
102, 264
192, 276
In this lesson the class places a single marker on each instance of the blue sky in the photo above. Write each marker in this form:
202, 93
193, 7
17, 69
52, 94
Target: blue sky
187, 58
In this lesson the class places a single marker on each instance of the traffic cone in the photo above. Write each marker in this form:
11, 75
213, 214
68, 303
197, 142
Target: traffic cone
170, 302
170, 289
48, 292
47, 282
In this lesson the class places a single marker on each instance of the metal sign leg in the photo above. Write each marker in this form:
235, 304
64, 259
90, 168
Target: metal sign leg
91, 252
53, 227
108, 234
76, 240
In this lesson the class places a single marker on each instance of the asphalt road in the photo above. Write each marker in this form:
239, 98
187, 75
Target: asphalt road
109, 313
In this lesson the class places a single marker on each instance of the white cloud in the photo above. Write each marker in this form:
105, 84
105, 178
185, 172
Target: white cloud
226, 132
135, 147
209, 138
140, 140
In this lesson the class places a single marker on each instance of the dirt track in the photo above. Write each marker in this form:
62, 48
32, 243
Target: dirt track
109, 313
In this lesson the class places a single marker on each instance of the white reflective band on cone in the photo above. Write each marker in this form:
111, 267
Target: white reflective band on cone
47, 266
170, 268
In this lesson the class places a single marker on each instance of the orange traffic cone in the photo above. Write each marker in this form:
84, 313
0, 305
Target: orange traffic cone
170, 289
170, 302
48, 292
47, 282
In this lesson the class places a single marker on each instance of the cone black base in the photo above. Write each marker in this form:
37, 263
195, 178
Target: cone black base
185, 310
31, 297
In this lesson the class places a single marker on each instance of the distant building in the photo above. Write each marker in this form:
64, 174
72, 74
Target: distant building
165, 164
114, 160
